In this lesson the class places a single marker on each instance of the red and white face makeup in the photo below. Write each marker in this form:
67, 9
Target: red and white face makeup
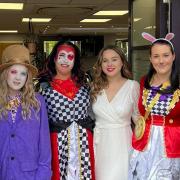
16, 78
64, 61
66, 55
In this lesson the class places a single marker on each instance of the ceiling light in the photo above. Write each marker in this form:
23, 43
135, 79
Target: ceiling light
8, 31
95, 20
36, 19
12, 6
137, 19
111, 13
150, 27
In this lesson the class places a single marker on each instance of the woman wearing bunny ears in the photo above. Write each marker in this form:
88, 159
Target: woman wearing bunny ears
25, 152
156, 139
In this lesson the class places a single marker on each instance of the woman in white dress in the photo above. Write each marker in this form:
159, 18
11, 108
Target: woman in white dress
114, 98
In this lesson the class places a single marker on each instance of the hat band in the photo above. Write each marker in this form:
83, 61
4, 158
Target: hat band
17, 61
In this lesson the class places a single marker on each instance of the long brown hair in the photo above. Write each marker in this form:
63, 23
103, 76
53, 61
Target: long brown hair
100, 80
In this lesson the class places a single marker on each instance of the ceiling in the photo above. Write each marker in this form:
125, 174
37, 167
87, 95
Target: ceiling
66, 16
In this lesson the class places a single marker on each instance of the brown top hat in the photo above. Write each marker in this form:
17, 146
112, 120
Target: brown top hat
17, 54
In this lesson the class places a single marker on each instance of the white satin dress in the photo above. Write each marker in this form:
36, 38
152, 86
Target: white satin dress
112, 135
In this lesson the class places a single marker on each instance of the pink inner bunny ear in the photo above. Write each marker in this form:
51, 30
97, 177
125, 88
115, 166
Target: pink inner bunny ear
148, 37
169, 36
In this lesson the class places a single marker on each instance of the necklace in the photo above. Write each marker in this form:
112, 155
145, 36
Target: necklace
141, 122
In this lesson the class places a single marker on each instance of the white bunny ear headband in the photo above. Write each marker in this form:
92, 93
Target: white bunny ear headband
152, 39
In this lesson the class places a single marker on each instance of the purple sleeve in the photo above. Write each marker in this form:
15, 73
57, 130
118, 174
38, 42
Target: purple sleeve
44, 163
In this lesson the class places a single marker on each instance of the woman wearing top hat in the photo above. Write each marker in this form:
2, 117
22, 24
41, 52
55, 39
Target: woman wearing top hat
25, 144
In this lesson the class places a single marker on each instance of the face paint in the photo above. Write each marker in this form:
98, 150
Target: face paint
66, 55
16, 78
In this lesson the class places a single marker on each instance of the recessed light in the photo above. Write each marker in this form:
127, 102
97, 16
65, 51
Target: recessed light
150, 27
111, 13
95, 20
8, 31
36, 19
137, 19
11, 6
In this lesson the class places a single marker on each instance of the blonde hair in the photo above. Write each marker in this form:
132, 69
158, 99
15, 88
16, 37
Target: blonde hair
100, 80
28, 99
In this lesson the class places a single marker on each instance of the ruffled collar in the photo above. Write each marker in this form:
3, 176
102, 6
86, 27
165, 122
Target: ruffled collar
13, 101
155, 89
66, 87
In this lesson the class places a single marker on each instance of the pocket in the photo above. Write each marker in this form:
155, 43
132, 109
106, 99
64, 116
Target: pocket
28, 170
29, 166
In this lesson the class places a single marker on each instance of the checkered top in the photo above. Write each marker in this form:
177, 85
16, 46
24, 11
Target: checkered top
161, 107
63, 153
61, 108
85, 155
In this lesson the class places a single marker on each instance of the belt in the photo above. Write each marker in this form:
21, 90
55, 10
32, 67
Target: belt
163, 121
58, 126
112, 126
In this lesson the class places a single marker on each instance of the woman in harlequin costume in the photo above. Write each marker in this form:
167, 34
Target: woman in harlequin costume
25, 150
68, 104
156, 139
